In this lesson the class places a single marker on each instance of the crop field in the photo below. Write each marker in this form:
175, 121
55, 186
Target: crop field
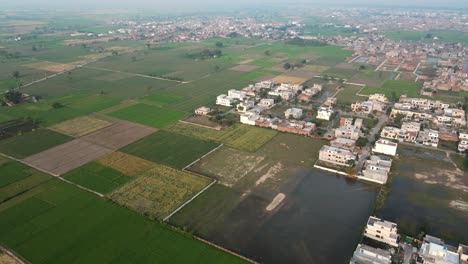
244, 68
66, 157
159, 191
373, 78
50, 66
11, 128
205, 90
243, 137
17, 178
118, 135
290, 79
73, 106
395, 88
80, 126
162, 99
149, 115
127, 164
94, 81
34, 226
32, 142
170, 148
347, 95
97, 177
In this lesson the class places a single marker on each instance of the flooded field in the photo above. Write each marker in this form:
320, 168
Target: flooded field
307, 219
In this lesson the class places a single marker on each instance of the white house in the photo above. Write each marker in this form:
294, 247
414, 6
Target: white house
324, 113
338, 156
295, 113
236, 94
434, 250
267, 103
245, 106
381, 230
248, 119
376, 169
369, 255
349, 132
202, 110
386, 147
428, 137
225, 100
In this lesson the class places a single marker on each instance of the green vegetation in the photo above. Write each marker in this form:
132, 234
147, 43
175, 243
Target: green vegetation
34, 227
170, 148
31, 143
395, 88
348, 95
149, 115
162, 99
97, 177
238, 136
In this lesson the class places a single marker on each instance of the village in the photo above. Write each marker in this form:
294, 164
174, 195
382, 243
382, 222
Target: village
355, 148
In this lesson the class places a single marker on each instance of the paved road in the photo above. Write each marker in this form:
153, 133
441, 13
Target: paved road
368, 148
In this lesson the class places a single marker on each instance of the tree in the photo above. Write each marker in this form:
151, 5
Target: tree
287, 66
219, 44
34, 48
267, 53
57, 105
134, 59
13, 96
362, 142
217, 68
362, 67
148, 45
114, 53
15, 74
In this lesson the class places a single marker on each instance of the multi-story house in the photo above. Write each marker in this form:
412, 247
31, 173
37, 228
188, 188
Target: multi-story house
386, 147
434, 250
428, 137
381, 230
349, 132
370, 255
337, 156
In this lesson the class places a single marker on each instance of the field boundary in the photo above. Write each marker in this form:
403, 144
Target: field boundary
225, 250
12, 254
218, 128
53, 175
189, 201
211, 151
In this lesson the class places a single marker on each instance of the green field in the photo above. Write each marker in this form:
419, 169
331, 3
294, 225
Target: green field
17, 178
170, 148
48, 222
243, 137
396, 88
32, 142
162, 99
149, 115
73, 106
348, 95
97, 177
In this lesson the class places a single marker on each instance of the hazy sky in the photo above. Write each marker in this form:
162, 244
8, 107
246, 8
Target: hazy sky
221, 3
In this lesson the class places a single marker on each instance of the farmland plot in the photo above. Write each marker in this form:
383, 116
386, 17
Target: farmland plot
127, 164
80, 126
159, 191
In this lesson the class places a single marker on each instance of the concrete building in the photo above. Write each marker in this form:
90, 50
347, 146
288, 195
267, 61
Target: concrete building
324, 113
463, 252
381, 230
428, 137
343, 143
337, 156
386, 147
376, 169
349, 132
236, 94
295, 113
435, 251
390, 132
267, 103
378, 98
202, 110
411, 126
244, 106
463, 145
225, 100
368, 255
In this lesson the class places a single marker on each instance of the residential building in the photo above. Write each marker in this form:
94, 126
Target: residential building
343, 143
365, 254
411, 126
378, 98
236, 94
463, 252
349, 132
267, 103
295, 113
434, 250
376, 169
346, 121
386, 147
330, 102
463, 145
324, 113
448, 134
428, 137
337, 156
463, 134
202, 110
245, 106
225, 100
390, 132
381, 230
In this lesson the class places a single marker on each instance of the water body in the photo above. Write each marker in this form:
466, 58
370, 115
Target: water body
320, 221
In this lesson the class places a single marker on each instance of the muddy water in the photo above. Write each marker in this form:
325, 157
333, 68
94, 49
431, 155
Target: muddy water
320, 221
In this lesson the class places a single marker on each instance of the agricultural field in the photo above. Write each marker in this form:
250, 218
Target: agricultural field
170, 148
34, 223
97, 177
149, 115
161, 99
80, 126
127, 164
243, 137
18, 178
31, 143
373, 78
10, 128
395, 88
348, 95
159, 191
